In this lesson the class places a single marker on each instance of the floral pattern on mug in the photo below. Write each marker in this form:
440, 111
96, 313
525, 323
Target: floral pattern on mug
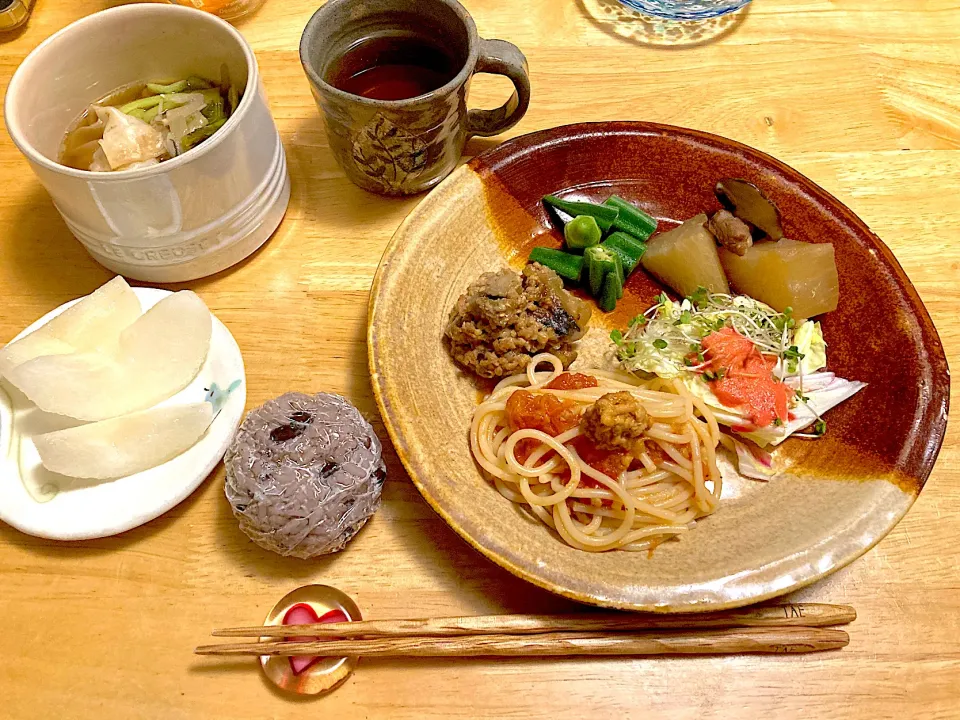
387, 155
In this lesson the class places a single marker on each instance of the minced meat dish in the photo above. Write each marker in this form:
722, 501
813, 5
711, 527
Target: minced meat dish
505, 318
616, 421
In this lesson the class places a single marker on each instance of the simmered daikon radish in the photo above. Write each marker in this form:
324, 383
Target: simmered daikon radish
685, 258
787, 273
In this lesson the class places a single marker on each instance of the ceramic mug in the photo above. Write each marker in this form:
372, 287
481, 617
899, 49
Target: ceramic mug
187, 217
400, 147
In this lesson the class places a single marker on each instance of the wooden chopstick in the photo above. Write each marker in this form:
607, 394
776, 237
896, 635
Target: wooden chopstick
793, 614
703, 642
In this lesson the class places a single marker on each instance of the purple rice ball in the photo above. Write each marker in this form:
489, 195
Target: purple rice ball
304, 474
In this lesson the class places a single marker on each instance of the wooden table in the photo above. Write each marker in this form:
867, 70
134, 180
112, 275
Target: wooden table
860, 95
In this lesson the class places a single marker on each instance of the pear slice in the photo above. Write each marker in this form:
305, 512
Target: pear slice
124, 445
155, 357
96, 321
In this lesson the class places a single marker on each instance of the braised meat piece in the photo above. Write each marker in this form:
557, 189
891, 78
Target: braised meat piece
616, 421
731, 232
505, 318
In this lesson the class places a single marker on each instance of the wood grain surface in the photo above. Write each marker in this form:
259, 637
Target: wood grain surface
860, 95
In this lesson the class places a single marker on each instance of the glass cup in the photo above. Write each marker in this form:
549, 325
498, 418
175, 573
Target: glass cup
685, 9
226, 9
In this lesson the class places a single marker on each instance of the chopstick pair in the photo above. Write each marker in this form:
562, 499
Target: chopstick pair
791, 628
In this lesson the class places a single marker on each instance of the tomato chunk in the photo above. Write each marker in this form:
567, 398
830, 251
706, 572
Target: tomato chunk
572, 381
539, 411
610, 462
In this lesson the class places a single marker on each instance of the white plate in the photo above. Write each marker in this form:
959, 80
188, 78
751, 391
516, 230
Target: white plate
83, 509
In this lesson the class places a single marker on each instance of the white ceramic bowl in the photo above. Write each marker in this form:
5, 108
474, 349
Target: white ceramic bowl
187, 217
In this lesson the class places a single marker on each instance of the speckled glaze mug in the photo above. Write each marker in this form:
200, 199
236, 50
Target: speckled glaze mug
401, 147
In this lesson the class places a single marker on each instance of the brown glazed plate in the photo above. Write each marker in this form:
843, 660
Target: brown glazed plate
837, 497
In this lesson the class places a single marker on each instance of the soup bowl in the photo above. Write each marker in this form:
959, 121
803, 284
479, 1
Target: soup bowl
187, 217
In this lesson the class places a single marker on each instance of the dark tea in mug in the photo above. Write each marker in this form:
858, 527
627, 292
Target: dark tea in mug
391, 78
393, 67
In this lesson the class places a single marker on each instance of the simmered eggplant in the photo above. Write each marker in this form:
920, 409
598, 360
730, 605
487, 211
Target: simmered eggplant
747, 202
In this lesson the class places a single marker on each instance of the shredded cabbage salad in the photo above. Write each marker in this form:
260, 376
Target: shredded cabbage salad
666, 341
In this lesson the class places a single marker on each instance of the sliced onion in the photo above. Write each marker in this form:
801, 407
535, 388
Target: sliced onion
186, 104
183, 120
812, 383
754, 462
183, 126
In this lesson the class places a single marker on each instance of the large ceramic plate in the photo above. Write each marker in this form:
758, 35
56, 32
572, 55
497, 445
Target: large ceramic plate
81, 510
838, 496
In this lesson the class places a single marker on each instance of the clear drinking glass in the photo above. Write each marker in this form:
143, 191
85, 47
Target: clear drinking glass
685, 9
226, 9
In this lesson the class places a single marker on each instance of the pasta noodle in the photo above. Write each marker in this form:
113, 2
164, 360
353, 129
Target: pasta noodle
673, 483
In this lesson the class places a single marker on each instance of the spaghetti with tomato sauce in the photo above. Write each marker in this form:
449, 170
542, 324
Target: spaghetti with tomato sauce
529, 437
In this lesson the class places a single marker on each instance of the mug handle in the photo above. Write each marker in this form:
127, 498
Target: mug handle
499, 57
